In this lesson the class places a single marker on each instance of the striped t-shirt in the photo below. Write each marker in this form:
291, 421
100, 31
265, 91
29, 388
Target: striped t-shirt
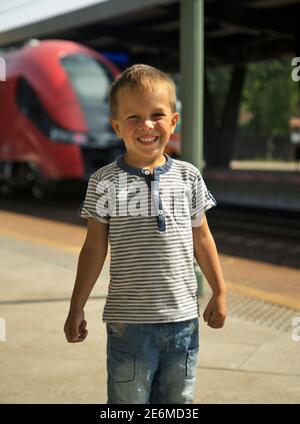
150, 218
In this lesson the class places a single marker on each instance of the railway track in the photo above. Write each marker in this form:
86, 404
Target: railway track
256, 221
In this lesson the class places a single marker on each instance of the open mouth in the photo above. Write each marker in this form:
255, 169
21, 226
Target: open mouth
147, 140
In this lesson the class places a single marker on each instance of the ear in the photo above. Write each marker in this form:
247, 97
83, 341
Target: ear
115, 124
174, 120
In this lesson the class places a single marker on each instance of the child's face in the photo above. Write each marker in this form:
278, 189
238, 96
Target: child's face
145, 121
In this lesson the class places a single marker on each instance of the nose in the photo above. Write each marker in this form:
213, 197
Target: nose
148, 124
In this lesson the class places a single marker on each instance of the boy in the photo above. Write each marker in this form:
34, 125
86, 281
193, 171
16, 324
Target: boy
151, 207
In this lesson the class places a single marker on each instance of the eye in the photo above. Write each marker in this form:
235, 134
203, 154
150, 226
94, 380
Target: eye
158, 115
132, 117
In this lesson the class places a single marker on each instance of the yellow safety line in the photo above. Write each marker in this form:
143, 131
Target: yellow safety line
275, 298
41, 240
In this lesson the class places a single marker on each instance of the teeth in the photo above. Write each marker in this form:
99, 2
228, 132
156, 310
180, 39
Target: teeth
147, 140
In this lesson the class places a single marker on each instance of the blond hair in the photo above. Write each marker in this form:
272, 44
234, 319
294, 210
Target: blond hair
144, 78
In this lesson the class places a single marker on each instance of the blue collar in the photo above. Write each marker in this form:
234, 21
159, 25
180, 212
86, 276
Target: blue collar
141, 172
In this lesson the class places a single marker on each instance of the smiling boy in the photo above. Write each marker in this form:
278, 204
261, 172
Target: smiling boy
144, 117
151, 311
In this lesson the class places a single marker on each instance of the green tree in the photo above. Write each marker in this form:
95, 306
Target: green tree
271, 95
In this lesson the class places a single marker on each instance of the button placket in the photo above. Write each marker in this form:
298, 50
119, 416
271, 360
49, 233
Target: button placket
161, 222
155, 193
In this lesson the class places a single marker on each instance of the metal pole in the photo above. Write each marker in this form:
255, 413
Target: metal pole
191, 67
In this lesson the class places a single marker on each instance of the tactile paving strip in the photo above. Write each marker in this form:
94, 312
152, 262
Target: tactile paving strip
261, 312
258, 311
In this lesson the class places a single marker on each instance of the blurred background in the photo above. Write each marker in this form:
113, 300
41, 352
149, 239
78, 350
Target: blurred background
60, 59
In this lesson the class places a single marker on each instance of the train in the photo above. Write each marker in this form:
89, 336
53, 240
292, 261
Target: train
54, 127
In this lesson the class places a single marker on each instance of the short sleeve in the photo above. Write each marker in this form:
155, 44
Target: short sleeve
201, 200
96, 202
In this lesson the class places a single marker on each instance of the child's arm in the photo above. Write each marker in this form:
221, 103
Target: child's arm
206, 254
90, 263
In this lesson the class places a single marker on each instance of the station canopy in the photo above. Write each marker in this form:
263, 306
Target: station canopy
236, 31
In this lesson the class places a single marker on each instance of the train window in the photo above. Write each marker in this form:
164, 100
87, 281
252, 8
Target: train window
31, 106
90, 79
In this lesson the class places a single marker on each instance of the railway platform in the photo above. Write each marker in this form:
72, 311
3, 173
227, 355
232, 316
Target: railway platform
253, 359
259, 184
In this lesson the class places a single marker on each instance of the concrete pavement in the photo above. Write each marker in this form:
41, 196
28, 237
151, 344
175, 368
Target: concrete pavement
245, 362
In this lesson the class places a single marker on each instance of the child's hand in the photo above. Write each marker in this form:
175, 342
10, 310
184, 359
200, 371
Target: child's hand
75, 327
216, 311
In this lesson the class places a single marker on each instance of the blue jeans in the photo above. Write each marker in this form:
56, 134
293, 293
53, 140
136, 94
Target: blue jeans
152, 363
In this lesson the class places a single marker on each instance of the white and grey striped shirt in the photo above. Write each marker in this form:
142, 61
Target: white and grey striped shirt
150, 218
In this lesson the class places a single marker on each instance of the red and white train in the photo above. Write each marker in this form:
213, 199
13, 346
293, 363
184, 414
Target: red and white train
54, 127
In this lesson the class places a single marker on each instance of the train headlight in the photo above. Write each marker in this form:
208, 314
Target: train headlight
65, 136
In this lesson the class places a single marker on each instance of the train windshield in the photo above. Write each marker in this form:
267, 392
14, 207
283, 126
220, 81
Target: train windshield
91, 81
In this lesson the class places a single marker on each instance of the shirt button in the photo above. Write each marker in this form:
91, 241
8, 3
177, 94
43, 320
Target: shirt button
155, 193
147, 172
160, 212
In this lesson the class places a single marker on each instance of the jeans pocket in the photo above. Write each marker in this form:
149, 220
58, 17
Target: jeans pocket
121, 366
194, 324
117, 328
191, 362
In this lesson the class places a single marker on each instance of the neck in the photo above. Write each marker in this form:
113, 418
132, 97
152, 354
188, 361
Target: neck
145, 163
